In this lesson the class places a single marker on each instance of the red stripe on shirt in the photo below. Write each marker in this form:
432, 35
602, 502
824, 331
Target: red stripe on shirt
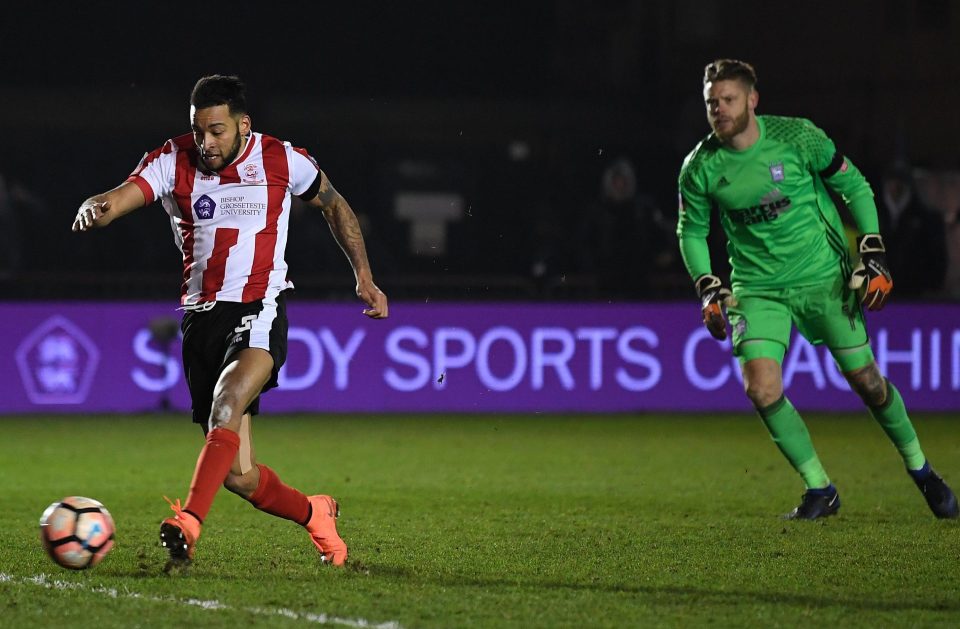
277, 173
225, 238
185, 175
145, 188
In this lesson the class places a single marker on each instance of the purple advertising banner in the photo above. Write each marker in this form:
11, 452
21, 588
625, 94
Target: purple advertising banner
102, 357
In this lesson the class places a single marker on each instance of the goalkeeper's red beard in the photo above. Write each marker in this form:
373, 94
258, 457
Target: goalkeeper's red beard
726, 127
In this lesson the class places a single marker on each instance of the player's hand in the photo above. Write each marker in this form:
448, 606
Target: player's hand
89, 212
871, 276
369, 294
714, 298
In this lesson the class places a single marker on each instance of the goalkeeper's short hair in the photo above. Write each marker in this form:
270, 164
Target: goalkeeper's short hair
730, 69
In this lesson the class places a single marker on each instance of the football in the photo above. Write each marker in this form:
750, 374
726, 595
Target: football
77, 532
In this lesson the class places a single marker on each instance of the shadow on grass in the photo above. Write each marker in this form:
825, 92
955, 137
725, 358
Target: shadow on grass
682, 595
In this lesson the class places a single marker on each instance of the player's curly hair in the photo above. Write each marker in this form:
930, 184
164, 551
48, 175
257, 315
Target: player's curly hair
730, 69
218, 89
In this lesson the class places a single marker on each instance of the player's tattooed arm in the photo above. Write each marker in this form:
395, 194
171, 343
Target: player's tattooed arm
327, 195
346, 230
344, 225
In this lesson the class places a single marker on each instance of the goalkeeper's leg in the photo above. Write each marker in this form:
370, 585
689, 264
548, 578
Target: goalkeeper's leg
883, 400
887, 407
763, 382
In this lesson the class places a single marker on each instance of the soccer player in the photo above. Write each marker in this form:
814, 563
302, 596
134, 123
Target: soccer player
227, 190
768, 177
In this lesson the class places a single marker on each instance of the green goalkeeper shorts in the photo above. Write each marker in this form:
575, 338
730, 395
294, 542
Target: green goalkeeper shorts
825, 314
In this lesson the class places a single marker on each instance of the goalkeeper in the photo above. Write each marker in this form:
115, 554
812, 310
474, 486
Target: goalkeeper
767, 178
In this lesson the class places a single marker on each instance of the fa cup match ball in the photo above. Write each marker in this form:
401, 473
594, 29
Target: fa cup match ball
77, 532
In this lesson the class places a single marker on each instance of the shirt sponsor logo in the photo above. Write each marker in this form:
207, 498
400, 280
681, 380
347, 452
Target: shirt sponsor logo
770, 209
239, 206
776, 171
204, 207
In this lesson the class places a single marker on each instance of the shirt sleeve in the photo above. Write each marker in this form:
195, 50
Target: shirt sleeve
693, 224
304, 174
852, 186
154, 175
840, 174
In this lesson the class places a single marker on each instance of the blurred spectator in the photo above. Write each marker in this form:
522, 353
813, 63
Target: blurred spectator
628, 242
951, 288
939, 190
914, 235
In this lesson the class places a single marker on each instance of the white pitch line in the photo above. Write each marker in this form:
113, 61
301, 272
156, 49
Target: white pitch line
48, 582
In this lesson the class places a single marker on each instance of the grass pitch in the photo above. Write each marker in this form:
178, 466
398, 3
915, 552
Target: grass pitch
533, 521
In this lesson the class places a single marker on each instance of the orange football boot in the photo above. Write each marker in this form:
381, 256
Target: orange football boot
179, 536
323, 529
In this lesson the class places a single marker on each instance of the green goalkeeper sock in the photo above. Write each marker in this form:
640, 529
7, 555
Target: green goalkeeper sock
788, 431
892, 417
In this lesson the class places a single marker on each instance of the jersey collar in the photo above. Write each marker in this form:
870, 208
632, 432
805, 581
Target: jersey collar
753, 147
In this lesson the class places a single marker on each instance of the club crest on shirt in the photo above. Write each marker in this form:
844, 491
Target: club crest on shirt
776, 171
251, 174
204, 207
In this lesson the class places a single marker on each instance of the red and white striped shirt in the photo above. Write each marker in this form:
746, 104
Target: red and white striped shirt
231, 226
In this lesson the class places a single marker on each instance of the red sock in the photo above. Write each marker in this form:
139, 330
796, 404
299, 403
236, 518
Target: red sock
213, 465
273, 497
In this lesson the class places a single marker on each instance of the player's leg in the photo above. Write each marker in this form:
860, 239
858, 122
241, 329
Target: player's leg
886, 406
883, 400
262, 487
762, 380
258, 483
201, 367
244, 474
764, 386
833, 317
761, 329
231, 353
239, 384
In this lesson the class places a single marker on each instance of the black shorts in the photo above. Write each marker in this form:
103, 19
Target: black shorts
212, 338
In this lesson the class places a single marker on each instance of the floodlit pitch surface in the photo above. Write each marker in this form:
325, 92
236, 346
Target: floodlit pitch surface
534, 521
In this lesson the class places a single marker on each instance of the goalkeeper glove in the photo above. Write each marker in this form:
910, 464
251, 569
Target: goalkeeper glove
714, 298
871, 276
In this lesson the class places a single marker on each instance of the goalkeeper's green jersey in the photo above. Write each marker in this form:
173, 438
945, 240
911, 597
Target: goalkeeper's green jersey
782, 227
